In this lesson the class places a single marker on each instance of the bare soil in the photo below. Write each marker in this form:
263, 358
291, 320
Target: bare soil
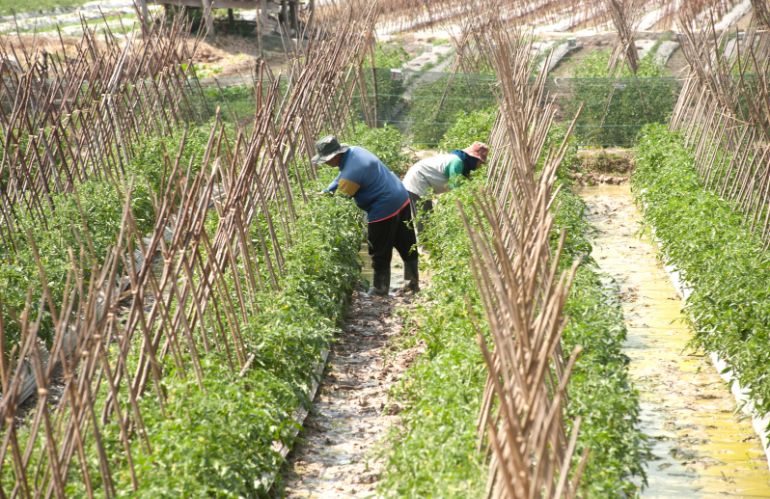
337, 456
604, 166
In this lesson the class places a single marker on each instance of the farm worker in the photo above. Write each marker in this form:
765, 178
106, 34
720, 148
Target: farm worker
441, 173
380, 193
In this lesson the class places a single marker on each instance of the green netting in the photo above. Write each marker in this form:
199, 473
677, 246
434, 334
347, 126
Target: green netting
425, 105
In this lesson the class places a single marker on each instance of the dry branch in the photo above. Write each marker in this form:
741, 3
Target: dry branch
521, 419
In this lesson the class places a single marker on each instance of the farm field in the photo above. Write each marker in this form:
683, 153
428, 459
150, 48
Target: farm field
188, 309
9, 7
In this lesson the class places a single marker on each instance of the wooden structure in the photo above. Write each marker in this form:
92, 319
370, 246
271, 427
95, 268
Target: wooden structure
289, 9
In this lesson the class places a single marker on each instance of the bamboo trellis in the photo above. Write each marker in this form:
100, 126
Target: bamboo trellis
183, 290
78, 115
723, 112
408, 15
523, 296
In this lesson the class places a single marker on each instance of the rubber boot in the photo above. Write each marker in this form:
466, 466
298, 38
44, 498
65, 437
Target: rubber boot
411, 277
381, 283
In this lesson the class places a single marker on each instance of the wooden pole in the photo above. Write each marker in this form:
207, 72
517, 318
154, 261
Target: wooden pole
145, 16
208, 16
261, 25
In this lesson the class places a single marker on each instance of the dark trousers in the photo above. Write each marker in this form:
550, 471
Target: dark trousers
420, 206
395, 232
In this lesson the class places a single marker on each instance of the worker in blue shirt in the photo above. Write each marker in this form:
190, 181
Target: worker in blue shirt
378, 192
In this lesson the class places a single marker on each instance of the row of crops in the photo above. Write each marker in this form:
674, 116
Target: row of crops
166, 279
446, 393
434, 452
703, 186
723, 262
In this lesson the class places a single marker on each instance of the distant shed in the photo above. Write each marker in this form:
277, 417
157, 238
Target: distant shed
288, 8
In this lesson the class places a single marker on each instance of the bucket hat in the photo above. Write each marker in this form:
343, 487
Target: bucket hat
478, 150
328, 147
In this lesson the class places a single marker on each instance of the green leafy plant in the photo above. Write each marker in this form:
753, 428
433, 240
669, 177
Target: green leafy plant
219, 441
469, 127
723, 262
434, 109
155, 156
380, 79
88, 220
386, 142
433, 453
617, 106
236, 102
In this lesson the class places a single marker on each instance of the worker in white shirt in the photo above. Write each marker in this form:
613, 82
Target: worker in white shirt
440, 174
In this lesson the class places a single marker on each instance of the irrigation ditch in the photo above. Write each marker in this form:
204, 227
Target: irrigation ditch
701, 442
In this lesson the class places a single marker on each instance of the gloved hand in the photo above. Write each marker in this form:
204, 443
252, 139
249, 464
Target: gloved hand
323, 193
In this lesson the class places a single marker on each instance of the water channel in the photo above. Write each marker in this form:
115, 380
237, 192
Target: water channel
702, 445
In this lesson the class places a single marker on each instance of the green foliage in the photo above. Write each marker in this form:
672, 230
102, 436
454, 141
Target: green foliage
218, 442
93, 231
388, 55
617, 106
155, 156
433, 454
434, 109
468, 128
236, 102
596, 65
390, 90
569, 163
717, 255
215, 443
386, 142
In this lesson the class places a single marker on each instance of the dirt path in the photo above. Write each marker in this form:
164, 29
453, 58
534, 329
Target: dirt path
337, 456
701, 447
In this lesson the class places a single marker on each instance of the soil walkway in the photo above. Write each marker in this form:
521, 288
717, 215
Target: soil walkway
701, 447
338, 456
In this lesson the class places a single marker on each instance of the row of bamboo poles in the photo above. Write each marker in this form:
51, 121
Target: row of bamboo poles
723, 113
407, 15
623, 15
521, 422
75, 113
198, 283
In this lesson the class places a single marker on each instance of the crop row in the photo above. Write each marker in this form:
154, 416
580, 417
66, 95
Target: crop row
435, 451
221, 440
217, 438
182, 326
705, 238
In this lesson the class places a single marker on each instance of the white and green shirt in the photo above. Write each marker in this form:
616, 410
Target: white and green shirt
436, 172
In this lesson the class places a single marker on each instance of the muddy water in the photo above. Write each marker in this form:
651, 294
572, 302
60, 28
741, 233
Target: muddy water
702, 448
396, 268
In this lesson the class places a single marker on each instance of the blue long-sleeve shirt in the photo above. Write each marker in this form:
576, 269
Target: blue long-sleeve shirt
375, 188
